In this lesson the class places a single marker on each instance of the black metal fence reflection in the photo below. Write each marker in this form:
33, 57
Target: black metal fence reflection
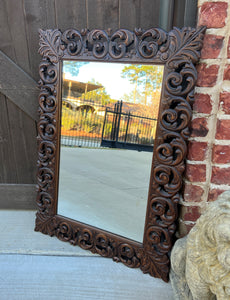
106, 126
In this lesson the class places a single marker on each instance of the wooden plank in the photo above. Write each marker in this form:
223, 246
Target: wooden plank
18, 196
38, 14
86, 278
149, 13
23, 135
103, 14
15, 15
18, 86
7, 158
71, 15
129, 14
6, 44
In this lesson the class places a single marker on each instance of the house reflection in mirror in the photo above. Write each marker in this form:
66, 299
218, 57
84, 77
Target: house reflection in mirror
108, 124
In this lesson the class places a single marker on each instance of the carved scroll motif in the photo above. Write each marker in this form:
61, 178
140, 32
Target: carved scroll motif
178, 50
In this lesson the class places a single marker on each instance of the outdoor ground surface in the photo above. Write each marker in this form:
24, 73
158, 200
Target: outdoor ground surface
106, 188
34, 266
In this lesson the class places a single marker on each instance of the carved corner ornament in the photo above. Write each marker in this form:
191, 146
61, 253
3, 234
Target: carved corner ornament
178, 50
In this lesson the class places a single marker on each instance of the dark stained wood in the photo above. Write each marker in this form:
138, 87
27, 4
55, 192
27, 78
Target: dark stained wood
8, 173
6, 44
129, 14
38, 14
18, 86
17, 144
73, 13
17, 196
103, 14
178, 51
23, 136
149, 13
14, 11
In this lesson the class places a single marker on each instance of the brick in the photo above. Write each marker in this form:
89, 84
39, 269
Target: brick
195, 173
211, 46
220, 175
190, 213
192, 193
184, 229
202, 103
206, 75
223, 130
213, 14
199, 127
221, 154
225, 102
214, 194
228, 49
196, 150
227, 72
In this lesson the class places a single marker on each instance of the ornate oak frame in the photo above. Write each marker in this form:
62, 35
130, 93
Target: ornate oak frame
178, 51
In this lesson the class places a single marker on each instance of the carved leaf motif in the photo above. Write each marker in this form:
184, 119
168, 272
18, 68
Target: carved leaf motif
156, 266
45, 223
50, 44
185, 44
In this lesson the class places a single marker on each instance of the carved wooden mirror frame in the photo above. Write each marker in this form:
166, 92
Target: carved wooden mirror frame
178, 51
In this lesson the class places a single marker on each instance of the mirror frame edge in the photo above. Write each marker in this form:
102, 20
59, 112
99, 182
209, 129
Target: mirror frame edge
178, 50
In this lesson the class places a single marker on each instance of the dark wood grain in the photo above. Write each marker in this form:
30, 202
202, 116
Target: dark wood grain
17, 144
149, 13
103, 14
8, 173
23, 135
18, 86
38, 14
14, 11
129, 14
73, 13
17, 196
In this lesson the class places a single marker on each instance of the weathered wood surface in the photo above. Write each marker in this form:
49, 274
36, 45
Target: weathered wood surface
18, 86
18, 145
17, 196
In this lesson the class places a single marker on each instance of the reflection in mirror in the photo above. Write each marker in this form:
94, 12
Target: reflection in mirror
107, 144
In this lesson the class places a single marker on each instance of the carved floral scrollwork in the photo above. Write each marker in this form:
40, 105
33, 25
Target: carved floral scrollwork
47, 127
127, 256
44, 202
162, 211
73, 40
167, 180
45, 178
104, 246
119, 42
152, 41
178, 50
46, 152
100, 43
48, 101
170, 149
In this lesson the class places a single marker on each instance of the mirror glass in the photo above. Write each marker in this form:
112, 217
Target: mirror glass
108, 122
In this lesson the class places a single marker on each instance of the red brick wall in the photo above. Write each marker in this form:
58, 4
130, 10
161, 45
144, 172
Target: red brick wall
208, 159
